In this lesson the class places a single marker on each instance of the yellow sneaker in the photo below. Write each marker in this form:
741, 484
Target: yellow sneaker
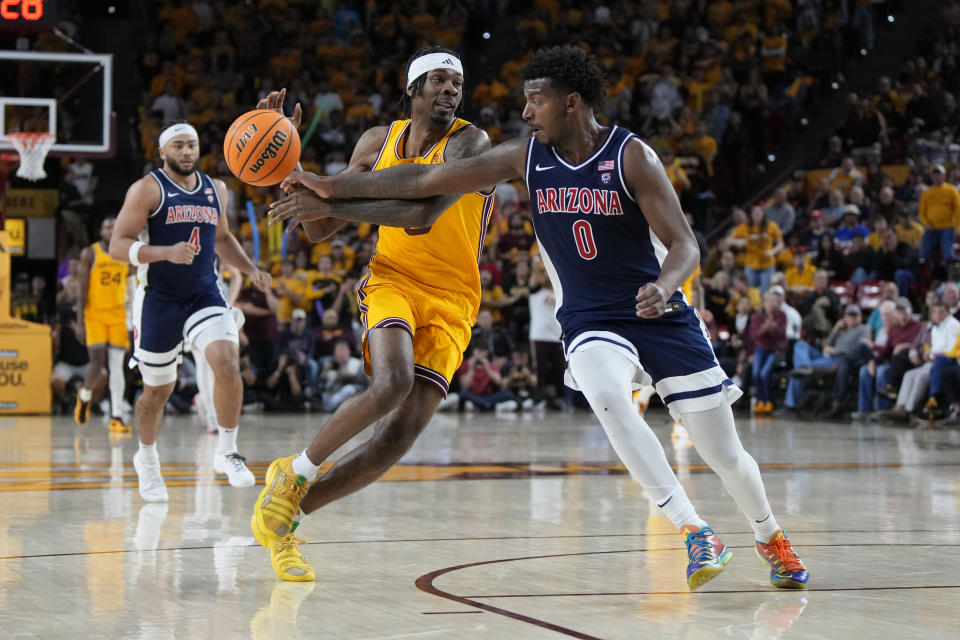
278, 503
81, 411
117, 426
288, 562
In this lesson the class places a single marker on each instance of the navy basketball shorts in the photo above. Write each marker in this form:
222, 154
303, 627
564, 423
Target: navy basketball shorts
161, 324
672, 352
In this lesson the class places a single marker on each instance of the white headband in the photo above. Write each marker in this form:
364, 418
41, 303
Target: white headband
432, 61
178, 130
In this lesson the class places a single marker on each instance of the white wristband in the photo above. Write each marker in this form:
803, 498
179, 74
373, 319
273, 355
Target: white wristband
134, 250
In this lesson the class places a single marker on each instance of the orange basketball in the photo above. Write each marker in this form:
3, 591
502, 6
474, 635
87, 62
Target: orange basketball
262, 147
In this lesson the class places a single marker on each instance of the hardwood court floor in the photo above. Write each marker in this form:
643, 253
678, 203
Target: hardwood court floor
491, 527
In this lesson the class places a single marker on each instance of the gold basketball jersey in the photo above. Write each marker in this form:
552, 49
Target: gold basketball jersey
439, 261
108, 281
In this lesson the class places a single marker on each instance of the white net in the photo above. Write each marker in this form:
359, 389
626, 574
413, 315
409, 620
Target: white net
33, 148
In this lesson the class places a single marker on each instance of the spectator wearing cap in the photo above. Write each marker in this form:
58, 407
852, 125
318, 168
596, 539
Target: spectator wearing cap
761, 241
849, 226
811, 238
780, 211
794, 319
901, 331
940, 215
843, 353
768, 335
301, 343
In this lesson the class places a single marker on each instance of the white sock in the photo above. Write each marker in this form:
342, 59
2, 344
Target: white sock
302, 466
645, 393
604, 377
714, 435
678, 508
227, 442
117, 382
86, 395
149, 451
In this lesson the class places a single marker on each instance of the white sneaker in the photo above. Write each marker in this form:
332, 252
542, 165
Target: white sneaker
507, 405
527, 404
152, 487
468, 406
235, 466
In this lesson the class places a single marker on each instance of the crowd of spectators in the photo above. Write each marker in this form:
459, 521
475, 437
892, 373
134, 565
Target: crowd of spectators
713, 86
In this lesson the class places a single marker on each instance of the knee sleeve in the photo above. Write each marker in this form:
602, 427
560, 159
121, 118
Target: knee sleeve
211, 328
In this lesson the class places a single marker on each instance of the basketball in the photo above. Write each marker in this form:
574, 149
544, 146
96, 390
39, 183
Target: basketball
262, 147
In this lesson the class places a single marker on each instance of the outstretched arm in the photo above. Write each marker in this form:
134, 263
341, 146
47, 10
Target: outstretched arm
653, 192
501, 163
305, 206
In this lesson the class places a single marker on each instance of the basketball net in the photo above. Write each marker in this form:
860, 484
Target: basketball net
32, 147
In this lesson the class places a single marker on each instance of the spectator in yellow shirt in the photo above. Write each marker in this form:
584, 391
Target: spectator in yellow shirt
761, 241
799, 275
678, 177
909, 231
289, 289
875, 239
939, 214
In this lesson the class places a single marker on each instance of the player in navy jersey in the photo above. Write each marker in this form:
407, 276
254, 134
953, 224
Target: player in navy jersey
172, 227
617, 248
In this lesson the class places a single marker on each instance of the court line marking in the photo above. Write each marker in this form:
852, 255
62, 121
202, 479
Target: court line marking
492, 538
505, 471
425, 584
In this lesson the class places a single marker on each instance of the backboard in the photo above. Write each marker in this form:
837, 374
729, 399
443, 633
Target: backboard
68, 94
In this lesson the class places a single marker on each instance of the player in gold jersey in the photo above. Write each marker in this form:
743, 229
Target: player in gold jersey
103, 323
418, 305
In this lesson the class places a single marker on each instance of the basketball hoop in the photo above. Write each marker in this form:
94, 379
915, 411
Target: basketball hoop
32, 147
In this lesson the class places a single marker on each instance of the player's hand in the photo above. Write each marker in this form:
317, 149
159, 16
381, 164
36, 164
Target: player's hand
299, 207
306, 180
261, 280
651, 300
181, 253
274, 102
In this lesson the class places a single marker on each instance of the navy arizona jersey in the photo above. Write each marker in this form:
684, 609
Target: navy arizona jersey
183, 216
596, 244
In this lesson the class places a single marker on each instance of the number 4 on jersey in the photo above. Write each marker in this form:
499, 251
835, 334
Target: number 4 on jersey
194, 240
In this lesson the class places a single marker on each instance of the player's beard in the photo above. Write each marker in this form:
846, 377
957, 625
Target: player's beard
175, 166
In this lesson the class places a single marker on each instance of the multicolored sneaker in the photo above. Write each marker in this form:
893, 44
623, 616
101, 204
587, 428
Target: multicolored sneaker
288, 562
278, 503
708, 555
786, 567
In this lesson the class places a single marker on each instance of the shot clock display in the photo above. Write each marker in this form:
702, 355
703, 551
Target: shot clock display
27, 14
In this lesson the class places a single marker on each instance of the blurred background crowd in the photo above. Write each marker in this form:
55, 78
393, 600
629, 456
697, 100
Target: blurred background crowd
828, 289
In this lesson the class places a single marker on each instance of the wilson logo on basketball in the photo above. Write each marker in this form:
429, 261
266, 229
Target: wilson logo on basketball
275, 144
245, 137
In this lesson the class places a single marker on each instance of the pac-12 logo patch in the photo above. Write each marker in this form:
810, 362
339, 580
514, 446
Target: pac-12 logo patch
605, 178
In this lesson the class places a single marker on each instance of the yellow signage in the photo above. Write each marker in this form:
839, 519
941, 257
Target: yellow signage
30, 203
25, 365
16, 236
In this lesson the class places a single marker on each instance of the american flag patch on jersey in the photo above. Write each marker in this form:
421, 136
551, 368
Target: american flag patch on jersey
606, 165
